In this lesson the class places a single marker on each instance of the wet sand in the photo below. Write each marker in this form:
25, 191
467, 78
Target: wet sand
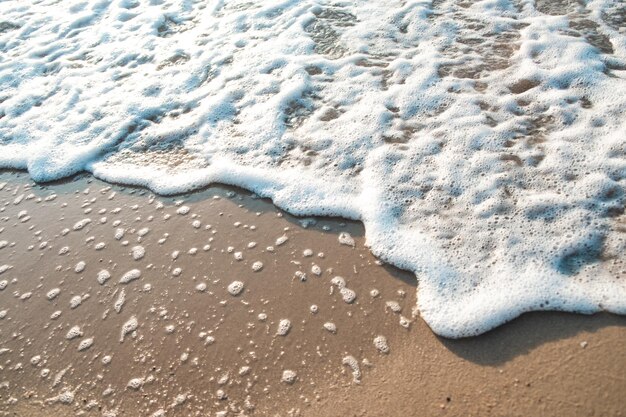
192, 348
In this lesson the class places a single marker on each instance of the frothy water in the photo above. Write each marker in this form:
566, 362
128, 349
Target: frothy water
482, 143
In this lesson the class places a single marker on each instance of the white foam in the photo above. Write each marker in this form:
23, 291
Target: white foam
129, 276
235, 288
494, 173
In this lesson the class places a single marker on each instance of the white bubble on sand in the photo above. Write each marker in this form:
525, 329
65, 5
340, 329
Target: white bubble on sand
284, 326
3, 314
346, 239
182, 210
235, 288
129, 276
99, 246
257, 266
106, 359
238, 256
177, 271
119, 233
144, 231
53, 293
338, 282
331, 327
73, 333
201, 287
3, 244
3, 284
393, 306
404, 322
380, 342
85, 344
119, 303
348, 295
353, 364
103, 276
316, 270
75, 301
55, 315
130, 326
4, 268
281, 240
307, 253
289, 376
80, 267
79, 225
374, 293
65, 398
314, 308
135, 383
138, 252
35, 360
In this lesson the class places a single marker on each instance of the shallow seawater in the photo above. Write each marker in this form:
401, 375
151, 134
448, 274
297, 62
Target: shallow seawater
481, 143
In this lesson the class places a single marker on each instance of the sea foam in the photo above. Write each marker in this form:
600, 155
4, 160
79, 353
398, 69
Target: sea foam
481, 143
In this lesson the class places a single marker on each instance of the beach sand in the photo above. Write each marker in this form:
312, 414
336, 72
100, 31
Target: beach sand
173, 341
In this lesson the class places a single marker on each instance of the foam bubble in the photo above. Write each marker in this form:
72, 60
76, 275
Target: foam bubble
289, 376
53, 293
235, 288
128, 327
73, 333
284, 325
346, 239
138, 252
119, 302
80, 267
75, 301
135, 383
380, 342
353, 364
331, 327
79, 225
347, 295
103, 276
85, 344
129, 276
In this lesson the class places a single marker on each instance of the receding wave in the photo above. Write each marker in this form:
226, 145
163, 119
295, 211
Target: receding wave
482, 143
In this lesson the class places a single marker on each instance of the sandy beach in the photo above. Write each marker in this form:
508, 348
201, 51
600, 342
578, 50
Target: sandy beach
118, 302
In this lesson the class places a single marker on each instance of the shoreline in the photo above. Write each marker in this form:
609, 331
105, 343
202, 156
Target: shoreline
420, 372
340, 219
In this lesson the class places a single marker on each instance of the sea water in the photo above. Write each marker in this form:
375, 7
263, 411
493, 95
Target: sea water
482, 143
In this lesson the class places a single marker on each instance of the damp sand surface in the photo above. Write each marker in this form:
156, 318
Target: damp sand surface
119, 302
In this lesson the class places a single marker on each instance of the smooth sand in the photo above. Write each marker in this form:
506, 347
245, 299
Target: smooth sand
542, 364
